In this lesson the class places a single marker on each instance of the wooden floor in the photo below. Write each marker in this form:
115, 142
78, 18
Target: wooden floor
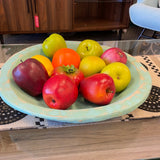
131, 33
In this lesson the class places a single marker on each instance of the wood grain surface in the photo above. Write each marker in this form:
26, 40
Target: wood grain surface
137, 139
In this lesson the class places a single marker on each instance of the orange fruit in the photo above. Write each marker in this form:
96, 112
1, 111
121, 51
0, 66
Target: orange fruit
66, 56
45, 62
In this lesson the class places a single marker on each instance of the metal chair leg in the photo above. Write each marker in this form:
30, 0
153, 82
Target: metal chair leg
154, 34
141, 34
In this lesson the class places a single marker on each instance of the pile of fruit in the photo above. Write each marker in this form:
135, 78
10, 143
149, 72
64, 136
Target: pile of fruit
61, 74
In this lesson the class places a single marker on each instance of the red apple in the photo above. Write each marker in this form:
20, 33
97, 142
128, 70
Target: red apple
98, 88
59, 92
114, 55
30, 76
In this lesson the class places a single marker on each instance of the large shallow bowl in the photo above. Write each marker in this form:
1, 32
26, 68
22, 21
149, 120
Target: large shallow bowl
81, 111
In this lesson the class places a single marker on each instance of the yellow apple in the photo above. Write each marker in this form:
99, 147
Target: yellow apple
90, 65
89, 47
120, 73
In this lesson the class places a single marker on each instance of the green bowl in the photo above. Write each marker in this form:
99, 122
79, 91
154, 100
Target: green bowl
81, 111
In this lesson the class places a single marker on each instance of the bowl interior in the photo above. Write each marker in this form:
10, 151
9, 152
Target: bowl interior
82, 110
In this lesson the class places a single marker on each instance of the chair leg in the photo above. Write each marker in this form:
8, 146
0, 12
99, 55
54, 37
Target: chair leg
141, 34
154, 34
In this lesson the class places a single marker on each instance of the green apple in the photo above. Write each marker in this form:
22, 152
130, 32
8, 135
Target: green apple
89, 48
53, 43
120, 73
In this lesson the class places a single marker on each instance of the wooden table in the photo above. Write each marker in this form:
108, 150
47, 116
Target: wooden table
126, 140
139, 139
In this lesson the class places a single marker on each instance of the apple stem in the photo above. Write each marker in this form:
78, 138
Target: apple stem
121, 55
21, 61
109, 91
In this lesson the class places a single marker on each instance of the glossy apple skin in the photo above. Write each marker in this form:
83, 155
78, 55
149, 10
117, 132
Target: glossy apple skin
53, 43
59, 92
98, 88
89, 47
120, 73
30, 76
114, 55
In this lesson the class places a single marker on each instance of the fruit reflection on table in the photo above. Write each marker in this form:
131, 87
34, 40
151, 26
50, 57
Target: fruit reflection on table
63, 73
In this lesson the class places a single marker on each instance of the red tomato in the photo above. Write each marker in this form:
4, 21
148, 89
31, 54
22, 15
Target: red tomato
75, 74
66, 56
